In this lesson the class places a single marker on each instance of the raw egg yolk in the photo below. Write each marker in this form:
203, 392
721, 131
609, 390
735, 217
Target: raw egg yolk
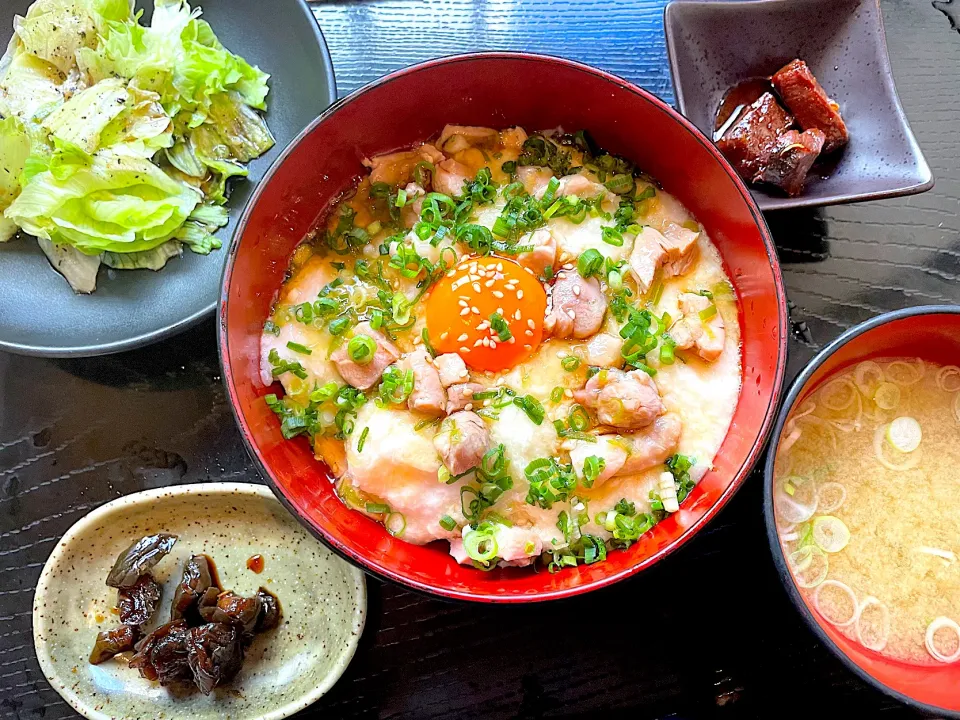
488, 310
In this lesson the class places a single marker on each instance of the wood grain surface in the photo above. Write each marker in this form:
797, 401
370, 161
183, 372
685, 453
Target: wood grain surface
707, 634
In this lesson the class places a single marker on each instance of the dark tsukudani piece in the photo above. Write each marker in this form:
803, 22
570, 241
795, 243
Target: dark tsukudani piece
810, 104
789, 165
750, 142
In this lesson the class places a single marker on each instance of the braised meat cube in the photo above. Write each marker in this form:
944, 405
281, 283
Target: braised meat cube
750, 142
810, 105
788, 167
113, 642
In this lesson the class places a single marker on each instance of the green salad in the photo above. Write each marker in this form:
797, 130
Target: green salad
117, 139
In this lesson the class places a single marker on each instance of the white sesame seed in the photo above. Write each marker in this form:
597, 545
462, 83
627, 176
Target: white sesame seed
463, 303
464, 349
488, 283
474, 310
517, 315
417, 340
528, 333
496, 293
511, 340
474, 277
476, 287
500, 267
468, 407
464, 373
576, 290
572, 314
463, 338
568, 266
500, 311
528, 347
531, 324
568, 393
493, 343
465, 311
561, 354
452, 273
519, 294
478, 343
443, 335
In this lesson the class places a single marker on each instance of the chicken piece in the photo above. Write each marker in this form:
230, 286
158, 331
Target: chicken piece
455, 138
584, 188
364, 376
628, 400
450, 178
428, 396
604, 350
513, 138
610, 448
789, 166
452, 369
681, 247
576, 306
750, 142
396, 169
410, 214
460, 396
646, 257
810, 105
462, 441
544, 253
534, 179
705, 336
652, 445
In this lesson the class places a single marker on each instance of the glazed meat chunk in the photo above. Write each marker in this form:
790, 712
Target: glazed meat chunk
751, 141
793, 159
810, 105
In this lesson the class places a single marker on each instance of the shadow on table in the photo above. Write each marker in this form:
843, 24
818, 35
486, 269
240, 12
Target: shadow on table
799, 235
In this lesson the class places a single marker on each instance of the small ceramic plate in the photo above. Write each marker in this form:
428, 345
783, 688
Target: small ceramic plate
43, 316
715, 45
323, 599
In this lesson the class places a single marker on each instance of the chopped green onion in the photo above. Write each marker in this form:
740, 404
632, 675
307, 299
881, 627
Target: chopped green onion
395, 523
592, 467
271, 328
590, 263
362, 348
531, 406
556, 395
298, 348
500, 327
570, 363
646, 368
578, 419
448, 523
374, 227
401, 198
377, 508
339, 326
612, 236
363, 439
425, 335
509, 167
480, 545
708, 313
620, 184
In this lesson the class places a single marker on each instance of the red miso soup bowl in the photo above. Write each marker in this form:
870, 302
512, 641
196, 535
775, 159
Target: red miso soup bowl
933, 334
496, 90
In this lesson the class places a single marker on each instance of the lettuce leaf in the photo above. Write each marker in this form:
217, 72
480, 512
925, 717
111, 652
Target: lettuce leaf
55, 30
78, 269
82, 119
241, 129
119, 203
14, 150
29, 86
179, 57
147, 260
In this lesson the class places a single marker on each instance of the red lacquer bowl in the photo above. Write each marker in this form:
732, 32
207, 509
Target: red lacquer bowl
496, 90
932, 333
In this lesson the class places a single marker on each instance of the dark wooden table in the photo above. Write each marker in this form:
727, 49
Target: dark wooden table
710, 632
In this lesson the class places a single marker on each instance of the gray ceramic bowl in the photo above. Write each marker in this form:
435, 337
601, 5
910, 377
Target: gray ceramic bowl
41, 315
715, 45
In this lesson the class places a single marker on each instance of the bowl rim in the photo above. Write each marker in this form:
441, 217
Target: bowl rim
779, 559
772, 203
370, 564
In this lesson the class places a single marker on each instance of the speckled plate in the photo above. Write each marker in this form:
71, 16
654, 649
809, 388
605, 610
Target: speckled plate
324, 604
